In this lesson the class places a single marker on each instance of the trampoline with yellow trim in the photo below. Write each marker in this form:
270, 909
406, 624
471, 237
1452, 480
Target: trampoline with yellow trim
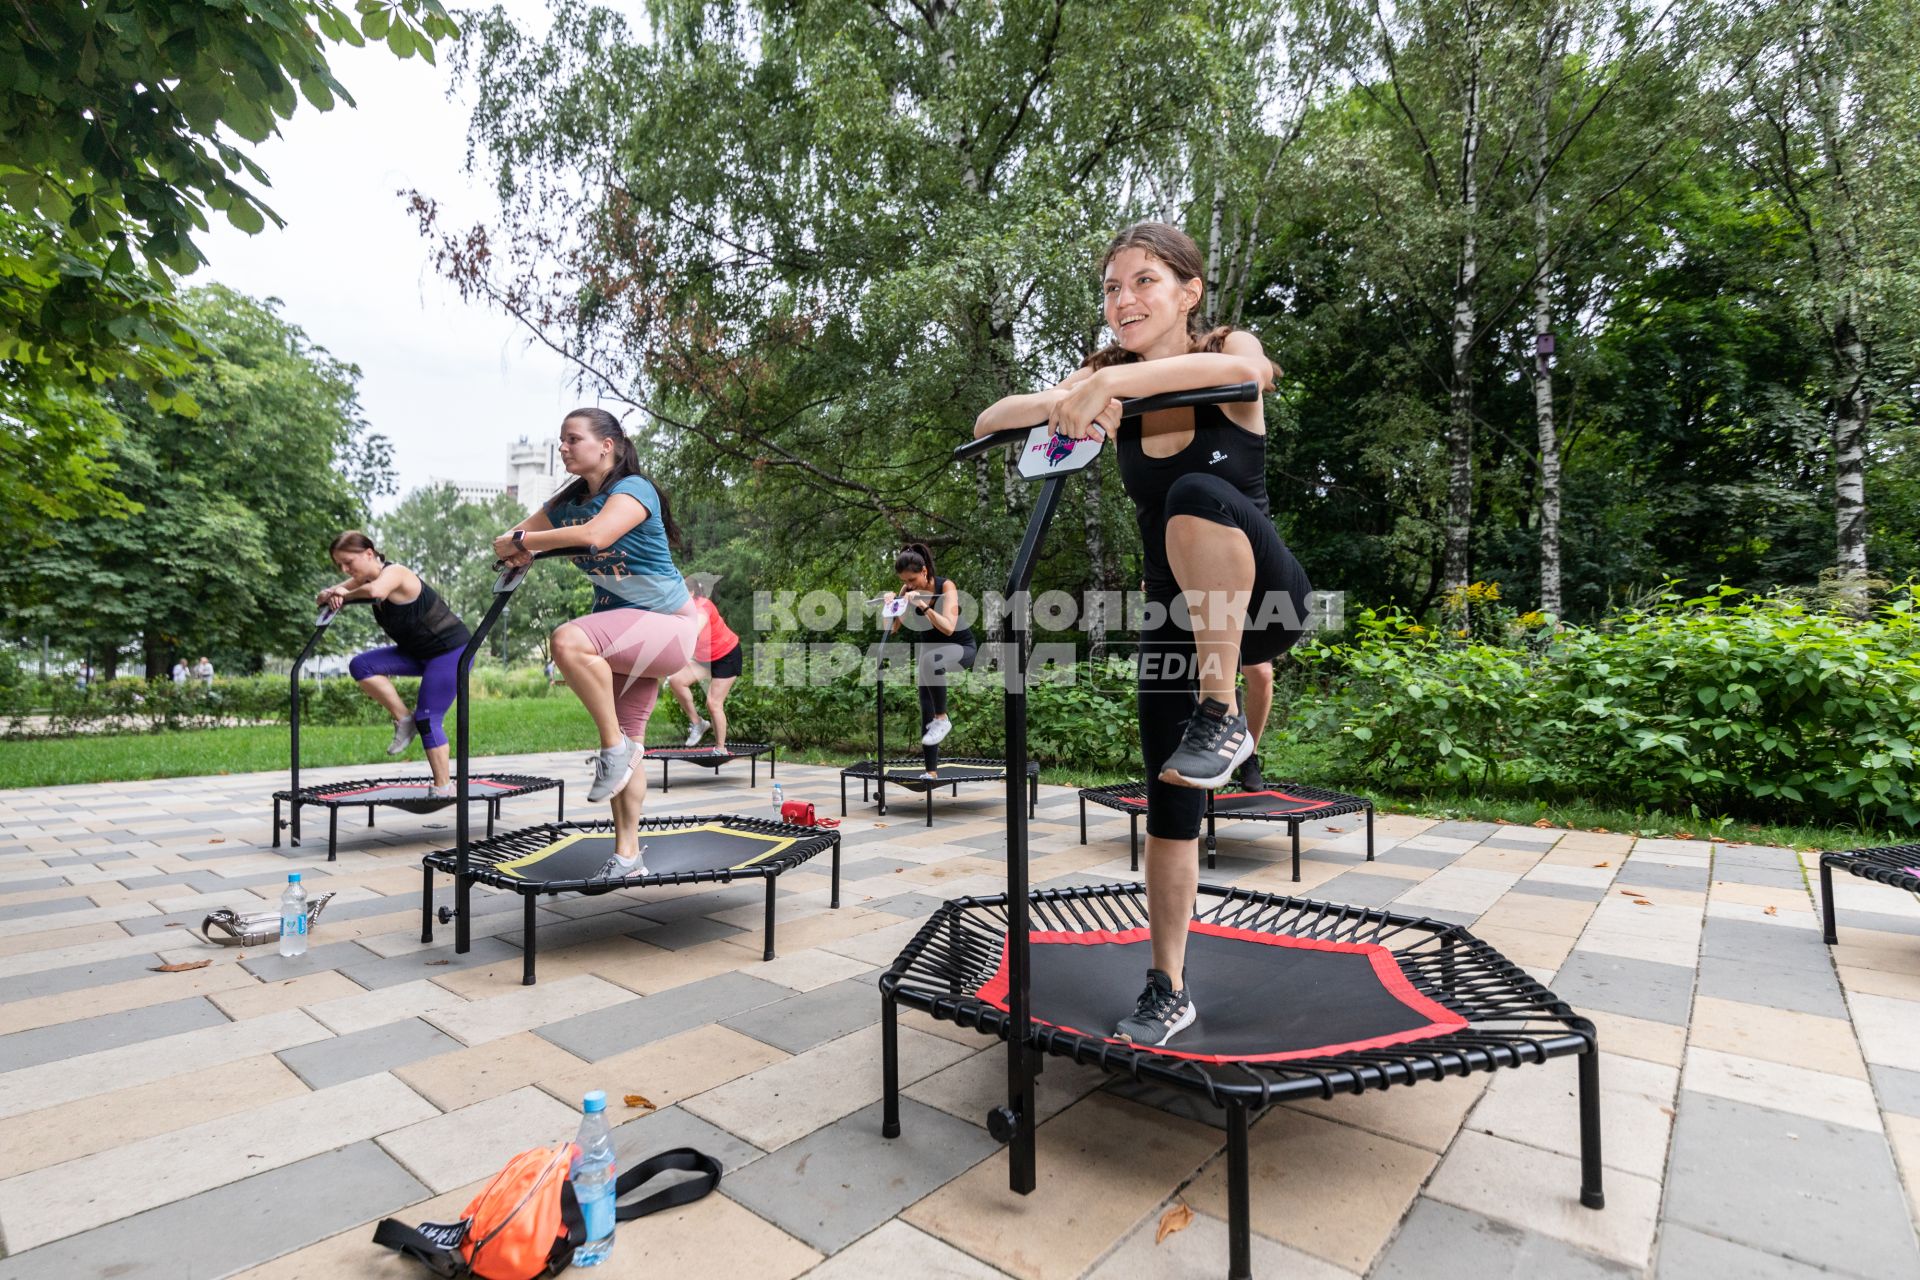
578, 857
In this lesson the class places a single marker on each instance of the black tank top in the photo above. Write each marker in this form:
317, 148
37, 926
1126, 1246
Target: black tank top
962, 636
1220, 447
424, 627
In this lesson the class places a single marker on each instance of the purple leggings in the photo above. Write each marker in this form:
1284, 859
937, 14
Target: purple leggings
437, 678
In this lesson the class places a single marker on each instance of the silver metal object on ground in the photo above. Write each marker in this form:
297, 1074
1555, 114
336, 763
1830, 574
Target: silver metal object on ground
231, 929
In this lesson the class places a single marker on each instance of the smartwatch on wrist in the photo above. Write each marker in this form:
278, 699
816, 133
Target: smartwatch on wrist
519, 537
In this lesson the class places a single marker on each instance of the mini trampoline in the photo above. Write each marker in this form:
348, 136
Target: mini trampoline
709, 758
1285, 802
1297, 999
577, 857
408, 794
1898, 866
912, 776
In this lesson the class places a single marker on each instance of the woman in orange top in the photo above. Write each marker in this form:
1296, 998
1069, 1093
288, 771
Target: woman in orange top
716, 660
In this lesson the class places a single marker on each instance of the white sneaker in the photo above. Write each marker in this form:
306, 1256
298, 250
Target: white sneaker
403, 735
450, 791
697, 732
936, 732
612, 770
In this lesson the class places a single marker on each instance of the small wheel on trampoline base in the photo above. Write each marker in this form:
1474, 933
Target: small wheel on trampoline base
1003, 1123
444, 915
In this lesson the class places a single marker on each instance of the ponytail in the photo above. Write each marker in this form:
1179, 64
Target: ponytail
353, 541
626, 462
913, 558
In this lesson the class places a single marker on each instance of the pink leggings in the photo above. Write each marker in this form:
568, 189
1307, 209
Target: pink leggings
643, 648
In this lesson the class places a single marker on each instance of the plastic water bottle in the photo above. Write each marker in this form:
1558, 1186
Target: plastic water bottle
779, 800
293, 917
593, 1177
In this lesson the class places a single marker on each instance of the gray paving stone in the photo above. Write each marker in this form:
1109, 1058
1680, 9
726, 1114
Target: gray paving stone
840, 1182
48, 906
1548, 889
1475, 831
76, 977
363, 1053
1725, 939
431, 963
1175, 1102
1440, 1242
204, 881
34, 886
800, 1022
681, 934
1637, 988
1820, 1193
1800, 987
1874, 920
1643, 874
231, 1228
89, 859
1449, 917
1506, 842
672, 1127
108, 1031
1755, 855
1686, 1254
694, 905
605, 1032
1357, 888
913, 906
867, 868
1086, 880
270, 966
1744, 873
1898, 1089
1417, 857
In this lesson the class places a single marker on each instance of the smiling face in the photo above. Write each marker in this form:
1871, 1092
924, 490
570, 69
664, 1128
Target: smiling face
1147, 303
582, 451
361, 566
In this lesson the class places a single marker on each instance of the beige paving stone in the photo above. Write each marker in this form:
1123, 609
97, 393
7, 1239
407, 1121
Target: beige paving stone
1639, 1037
879, 948
1104, 1164
977, 1083
809, 970
1327, 1189
137, 993
967, 1037
1591, 845
503, 977
1879, 982
128, 1178
124, 1116
1540, 1108
788, 1100
1904, 1133
353, 1253
1665, 935
664, 1072
1457, 888
1537, 914
1818, 1094
1760, 895
399, 934
1539, 1190
1426, 1115
1199, 1252
711, 1237
1527, 947
53, 1083
492, 1017
376, 1008
449, 1150
896, 1249
1584, 876
814, 931
648, 969
938, 875
463, 1077
62, 921
289, 993
1513, 862
54, 894
1889, 1030
1872, 949
1776, 1035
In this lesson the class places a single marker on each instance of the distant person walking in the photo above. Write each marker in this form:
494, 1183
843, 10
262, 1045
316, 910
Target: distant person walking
179, 670
204, 670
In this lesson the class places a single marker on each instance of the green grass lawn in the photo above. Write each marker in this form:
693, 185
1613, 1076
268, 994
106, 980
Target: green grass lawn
515, 725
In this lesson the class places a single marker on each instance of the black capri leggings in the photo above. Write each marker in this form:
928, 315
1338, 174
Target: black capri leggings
1168, 667
931, 664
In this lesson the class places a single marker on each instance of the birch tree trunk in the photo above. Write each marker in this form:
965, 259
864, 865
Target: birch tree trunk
1459, 519
1852, 403
1549, 440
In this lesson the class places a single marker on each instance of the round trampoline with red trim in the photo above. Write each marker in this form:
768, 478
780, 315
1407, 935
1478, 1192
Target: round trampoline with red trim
712, 758
1897, 866
1286, 802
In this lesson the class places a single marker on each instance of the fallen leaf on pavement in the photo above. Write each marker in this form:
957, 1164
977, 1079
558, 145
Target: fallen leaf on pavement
1543, 824
1683, 835
639, 1100
216, 839
182, 967
434, 962
1600, 831
1641, 902
1772, 911
1177, 1218
1603, 864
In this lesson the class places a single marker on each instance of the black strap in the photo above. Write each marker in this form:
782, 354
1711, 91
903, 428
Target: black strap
423, 1249
681, 1159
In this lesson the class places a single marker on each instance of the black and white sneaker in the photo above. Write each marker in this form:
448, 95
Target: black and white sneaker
1249, 779
1216, 743
1160, 1014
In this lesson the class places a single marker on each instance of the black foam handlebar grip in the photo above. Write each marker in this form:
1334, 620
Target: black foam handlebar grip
1233, 393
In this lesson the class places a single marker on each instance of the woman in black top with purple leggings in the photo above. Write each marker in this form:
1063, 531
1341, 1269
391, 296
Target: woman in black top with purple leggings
1222, 588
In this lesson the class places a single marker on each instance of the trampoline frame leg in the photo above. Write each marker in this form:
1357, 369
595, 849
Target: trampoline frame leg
834, 903
493, 810
1239, 1243
1033, 796
889, 1066
560, 811
333, 830
1083, 820
843, 795
426, 903
1369, 831
956, 791
293, 814
1213, 845
1133, 837
769, 947
526, 940
1592, 1195
1296, 851
369, 815
1829, 929
276, 824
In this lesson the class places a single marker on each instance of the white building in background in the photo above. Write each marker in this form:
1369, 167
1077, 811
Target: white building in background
533, 474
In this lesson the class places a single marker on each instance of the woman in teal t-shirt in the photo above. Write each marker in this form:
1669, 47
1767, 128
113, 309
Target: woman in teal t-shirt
644, 623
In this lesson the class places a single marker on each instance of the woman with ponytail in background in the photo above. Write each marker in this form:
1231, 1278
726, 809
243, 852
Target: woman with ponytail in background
941, 644
427, 639
643, 625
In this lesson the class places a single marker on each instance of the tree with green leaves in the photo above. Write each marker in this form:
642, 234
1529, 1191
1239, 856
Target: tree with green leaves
123, 124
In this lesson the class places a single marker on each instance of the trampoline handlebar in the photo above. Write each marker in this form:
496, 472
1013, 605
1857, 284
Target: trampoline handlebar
1233, 393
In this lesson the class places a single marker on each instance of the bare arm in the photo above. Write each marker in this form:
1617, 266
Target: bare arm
945, 615
393, 580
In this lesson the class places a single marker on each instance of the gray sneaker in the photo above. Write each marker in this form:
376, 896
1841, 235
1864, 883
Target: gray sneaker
403, 735
1216, 743
612, 770
1160, 1014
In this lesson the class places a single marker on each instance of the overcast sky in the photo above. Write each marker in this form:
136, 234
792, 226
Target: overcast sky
450, 384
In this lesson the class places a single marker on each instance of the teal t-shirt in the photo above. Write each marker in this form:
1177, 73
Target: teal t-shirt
637, 571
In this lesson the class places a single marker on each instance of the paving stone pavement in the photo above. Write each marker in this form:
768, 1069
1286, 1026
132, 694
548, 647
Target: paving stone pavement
255, 1117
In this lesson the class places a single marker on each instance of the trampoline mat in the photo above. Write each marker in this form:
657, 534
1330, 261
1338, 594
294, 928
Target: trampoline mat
667, 851
414, 796
946, 774
1262, 997
1268, 803
707, 755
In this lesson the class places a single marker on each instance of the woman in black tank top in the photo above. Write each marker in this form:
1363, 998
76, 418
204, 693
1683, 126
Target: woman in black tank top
942, 644
427, 639
1197, 478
